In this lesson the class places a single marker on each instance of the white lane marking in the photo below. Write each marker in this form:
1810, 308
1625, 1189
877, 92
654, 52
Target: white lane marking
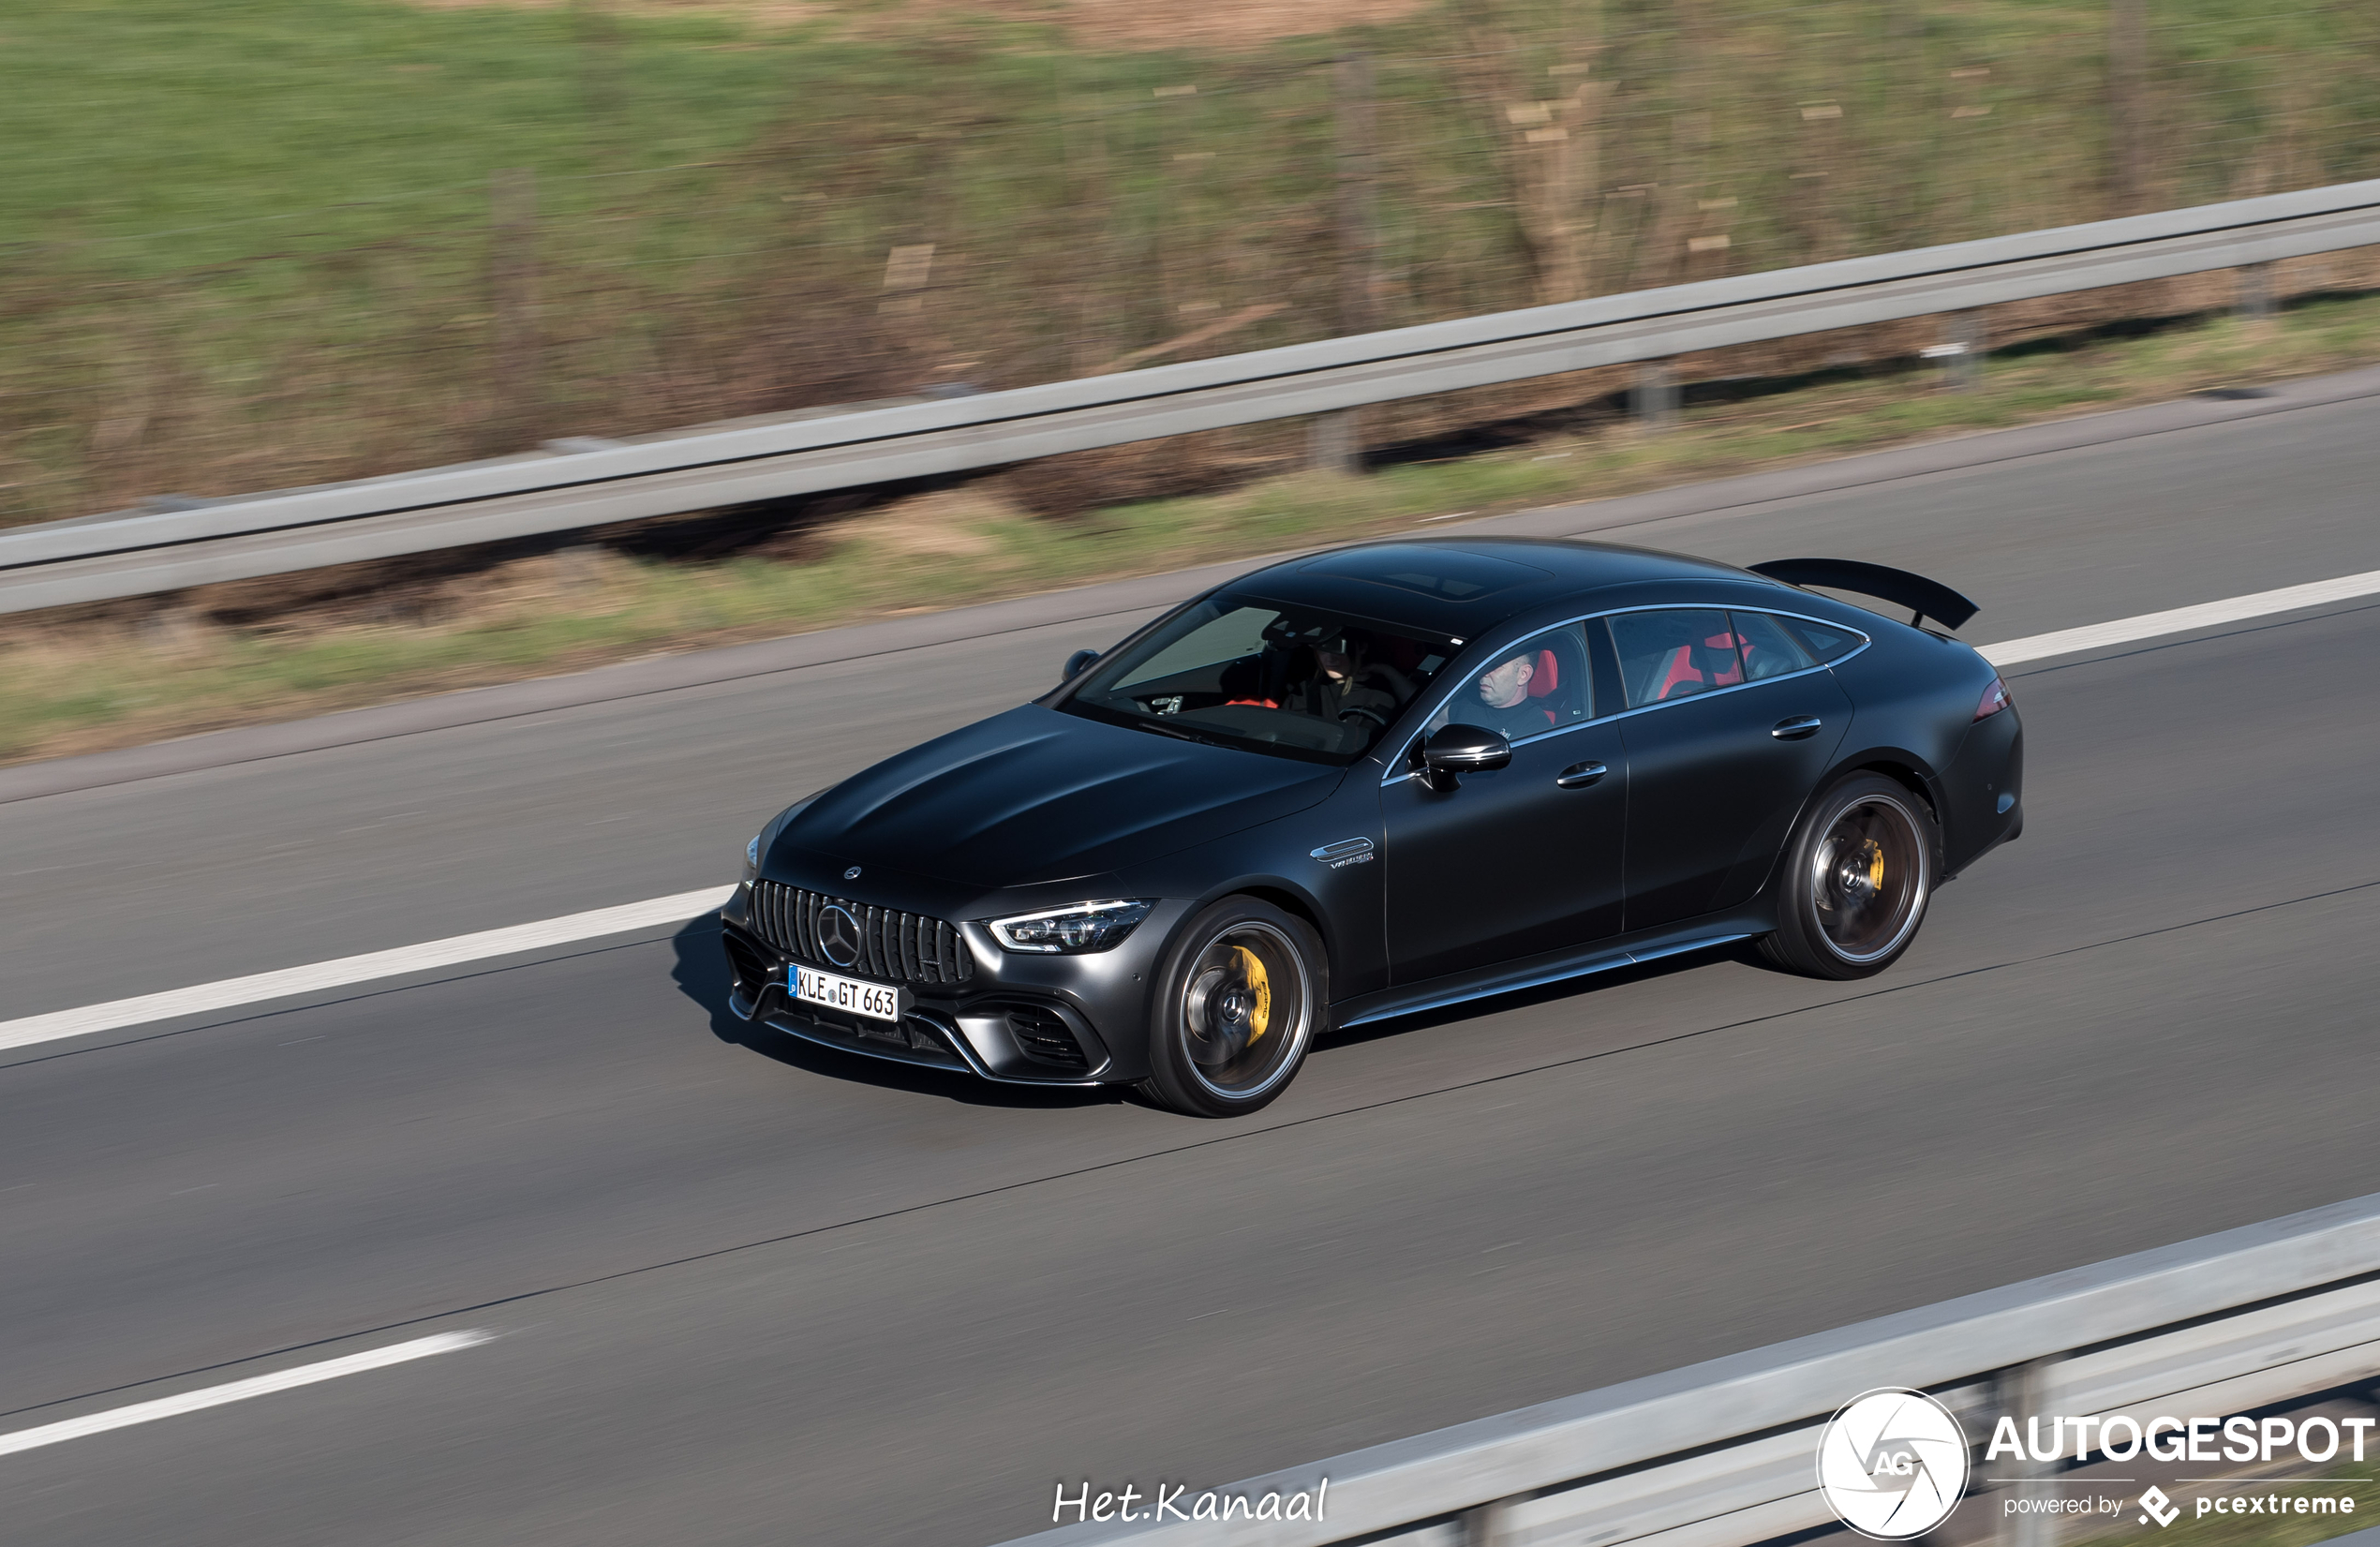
2123, 631
238, 1391
234, 991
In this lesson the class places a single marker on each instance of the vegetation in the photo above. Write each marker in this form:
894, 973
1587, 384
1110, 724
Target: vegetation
66, 688
258, 244
2359, 1481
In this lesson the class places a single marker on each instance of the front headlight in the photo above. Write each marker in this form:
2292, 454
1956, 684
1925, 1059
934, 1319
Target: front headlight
1072, 930
752, 857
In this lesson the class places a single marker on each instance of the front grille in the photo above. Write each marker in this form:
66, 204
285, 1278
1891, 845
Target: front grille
1044, 1037
908, 946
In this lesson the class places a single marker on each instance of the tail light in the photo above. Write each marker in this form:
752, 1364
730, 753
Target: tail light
1994, 700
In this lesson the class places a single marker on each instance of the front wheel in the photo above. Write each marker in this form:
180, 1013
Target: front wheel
1857, 877
1239, 1002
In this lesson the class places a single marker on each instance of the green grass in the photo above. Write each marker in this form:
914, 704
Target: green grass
250, 245
64, 690
247, 244
180, 136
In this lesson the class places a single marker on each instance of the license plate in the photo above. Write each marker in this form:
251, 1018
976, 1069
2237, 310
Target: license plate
850, 996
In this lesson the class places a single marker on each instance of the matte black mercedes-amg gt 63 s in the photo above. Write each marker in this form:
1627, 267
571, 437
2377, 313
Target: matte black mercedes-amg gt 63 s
1379, 780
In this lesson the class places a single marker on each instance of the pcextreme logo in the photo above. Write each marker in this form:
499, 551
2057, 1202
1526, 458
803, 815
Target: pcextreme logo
1892, 1463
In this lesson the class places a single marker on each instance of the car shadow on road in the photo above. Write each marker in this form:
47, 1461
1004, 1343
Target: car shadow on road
700, 973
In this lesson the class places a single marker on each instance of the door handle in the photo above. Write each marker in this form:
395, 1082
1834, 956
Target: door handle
1578, 776
1794, 727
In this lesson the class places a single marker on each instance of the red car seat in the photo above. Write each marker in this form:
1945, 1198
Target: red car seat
1698, 668
1545, 679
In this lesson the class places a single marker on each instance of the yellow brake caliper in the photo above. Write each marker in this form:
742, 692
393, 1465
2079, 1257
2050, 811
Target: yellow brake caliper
1876, 865
1259, 984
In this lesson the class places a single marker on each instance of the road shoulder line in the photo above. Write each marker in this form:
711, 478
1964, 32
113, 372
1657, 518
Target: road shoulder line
239, 1390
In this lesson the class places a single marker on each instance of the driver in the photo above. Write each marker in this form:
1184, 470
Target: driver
1504, 705
1338, 685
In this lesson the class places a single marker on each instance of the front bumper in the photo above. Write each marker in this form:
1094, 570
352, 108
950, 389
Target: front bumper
1017, 1019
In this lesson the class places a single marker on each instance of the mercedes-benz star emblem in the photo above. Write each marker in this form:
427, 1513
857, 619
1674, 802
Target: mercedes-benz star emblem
852, 874
838, 935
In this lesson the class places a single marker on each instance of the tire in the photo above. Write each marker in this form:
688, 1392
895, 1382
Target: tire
1857, 877
1243, 974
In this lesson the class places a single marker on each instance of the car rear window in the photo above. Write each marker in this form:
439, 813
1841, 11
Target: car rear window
1769, 650
1824, 641
1674, 654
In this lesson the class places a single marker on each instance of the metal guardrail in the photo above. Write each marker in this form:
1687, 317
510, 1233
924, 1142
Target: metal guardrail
1722, 1454
92, 558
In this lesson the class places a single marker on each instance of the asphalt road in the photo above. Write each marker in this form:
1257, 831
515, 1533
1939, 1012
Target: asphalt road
750, 1293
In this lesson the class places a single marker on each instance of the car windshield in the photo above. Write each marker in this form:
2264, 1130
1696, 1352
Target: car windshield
1268, 676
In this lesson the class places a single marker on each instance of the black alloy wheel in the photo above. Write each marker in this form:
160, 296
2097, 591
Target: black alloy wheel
1241, 998
1856, 879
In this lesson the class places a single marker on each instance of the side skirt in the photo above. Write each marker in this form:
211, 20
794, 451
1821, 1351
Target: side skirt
1552, 967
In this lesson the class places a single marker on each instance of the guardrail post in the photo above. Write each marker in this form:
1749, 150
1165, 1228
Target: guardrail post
2128, 125
2025, 1392
1962, 353
2251, 293
1335, 442
1654, 397
513, 294
1483, 1524
1331, 444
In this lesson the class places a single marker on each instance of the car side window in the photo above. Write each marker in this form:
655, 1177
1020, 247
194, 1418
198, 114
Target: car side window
1824, 641
1538, 685
1675, 653
1768, 650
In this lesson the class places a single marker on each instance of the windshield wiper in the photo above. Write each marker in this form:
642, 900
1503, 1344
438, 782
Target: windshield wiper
1156, 729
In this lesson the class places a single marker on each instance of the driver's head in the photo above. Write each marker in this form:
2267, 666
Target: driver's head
1508, 683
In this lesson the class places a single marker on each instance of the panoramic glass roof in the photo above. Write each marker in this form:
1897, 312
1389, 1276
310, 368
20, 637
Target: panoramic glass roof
1449, 575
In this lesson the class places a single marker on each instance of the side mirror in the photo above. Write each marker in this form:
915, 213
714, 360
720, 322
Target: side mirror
1454, 750
1077, 663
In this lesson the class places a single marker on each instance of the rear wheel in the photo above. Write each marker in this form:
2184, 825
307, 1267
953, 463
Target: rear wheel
1857, 877
1240, 1000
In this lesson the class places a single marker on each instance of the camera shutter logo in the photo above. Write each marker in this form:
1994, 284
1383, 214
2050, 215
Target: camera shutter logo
1892, 1463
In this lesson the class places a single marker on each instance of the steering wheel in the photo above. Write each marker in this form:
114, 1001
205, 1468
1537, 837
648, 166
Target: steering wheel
1365, 711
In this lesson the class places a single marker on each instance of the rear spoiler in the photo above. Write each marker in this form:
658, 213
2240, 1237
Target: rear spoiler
1924, 598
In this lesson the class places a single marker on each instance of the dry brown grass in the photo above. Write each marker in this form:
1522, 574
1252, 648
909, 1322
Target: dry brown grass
946, 524
1214, 24
82, 683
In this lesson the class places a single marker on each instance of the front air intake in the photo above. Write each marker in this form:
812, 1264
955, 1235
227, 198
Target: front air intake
1043, 1037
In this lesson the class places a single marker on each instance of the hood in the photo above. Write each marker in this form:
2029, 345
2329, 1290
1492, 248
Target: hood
1035, 795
